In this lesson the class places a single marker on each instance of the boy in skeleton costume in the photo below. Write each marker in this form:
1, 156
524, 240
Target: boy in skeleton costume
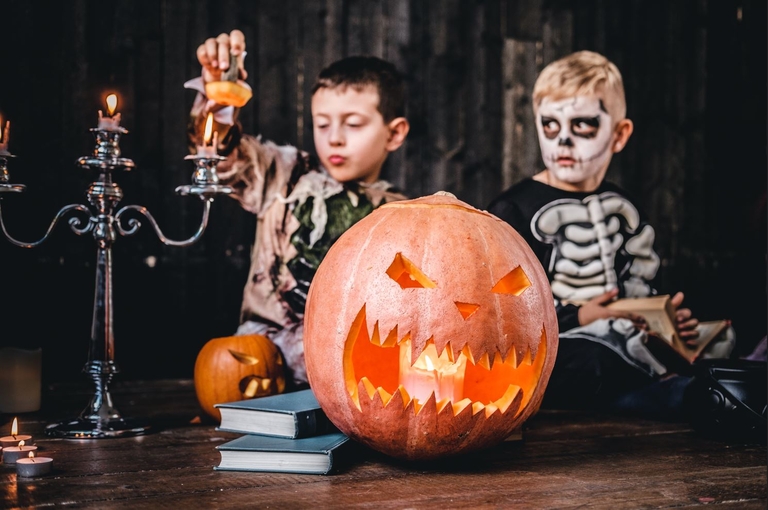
594, 242
303, 206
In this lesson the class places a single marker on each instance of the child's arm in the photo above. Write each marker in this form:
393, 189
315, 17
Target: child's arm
214, 58
256, 170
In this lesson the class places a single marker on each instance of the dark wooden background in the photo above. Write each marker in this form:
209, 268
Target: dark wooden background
695, 74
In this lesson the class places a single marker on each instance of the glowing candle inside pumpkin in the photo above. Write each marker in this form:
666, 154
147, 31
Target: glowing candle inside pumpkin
431, 373
4, 135
112, 121
207, 150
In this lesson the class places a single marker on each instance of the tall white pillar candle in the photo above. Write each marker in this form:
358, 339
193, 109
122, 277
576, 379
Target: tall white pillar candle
20, 380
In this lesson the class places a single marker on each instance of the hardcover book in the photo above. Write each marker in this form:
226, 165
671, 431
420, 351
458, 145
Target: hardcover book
660, 316
290, 415
309, 455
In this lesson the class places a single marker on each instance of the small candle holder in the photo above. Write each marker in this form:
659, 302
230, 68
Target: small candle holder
13, 453
205, 179
101, 419
32, 466
5, 176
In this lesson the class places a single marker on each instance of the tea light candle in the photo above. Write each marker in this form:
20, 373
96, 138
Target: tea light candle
20, 380
111, 123
13, 453
15, 437
4, 135
205, 150
33, 466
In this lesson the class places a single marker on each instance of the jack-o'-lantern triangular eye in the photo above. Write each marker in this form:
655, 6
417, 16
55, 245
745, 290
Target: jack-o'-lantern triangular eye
407, 275
515, 282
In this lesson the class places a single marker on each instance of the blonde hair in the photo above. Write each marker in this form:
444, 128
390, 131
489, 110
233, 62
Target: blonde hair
580, 74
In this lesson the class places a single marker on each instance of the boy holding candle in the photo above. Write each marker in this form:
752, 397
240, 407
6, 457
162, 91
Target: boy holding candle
302, 205
595, 243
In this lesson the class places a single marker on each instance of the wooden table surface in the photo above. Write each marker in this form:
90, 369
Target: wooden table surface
565, 460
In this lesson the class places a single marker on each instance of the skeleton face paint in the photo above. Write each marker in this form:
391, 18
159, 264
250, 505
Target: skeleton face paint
575, 137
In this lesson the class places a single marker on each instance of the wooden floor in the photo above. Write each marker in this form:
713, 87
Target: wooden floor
565, 460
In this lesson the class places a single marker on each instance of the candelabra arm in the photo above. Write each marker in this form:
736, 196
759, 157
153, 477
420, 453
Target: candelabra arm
134, 224
74, 224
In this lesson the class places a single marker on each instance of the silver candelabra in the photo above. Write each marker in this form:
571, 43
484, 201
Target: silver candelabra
101, 419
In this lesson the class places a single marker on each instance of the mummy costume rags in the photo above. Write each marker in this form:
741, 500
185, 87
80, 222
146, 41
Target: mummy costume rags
301, 210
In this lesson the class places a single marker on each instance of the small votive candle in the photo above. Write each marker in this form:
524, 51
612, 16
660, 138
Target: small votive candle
13, 453
33, 466
15, 437
20, 380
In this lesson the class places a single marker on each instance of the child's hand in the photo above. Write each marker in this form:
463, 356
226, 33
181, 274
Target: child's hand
684, 321
213, 55
595, 309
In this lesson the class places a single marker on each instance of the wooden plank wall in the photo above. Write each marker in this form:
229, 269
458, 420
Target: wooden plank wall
695, 73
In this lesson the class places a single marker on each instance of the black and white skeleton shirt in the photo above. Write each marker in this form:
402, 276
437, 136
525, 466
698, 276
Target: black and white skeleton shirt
588, 243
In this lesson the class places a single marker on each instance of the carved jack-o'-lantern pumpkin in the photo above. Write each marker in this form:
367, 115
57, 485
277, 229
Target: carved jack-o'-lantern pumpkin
234, 368
430, 329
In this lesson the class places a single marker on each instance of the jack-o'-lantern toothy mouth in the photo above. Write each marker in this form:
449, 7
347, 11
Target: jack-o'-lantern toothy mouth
377, 364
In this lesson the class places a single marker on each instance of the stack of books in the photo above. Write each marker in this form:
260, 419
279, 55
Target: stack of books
285, 433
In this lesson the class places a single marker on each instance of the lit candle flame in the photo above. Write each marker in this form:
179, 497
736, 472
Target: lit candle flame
111, 104
208, 129
32, 455
15, 427
430, 366
21, 443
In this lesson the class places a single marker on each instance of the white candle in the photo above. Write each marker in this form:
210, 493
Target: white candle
112, 122
20, 380
205, 150
5, 134
431, 373
33, 466
13, 453
15, 437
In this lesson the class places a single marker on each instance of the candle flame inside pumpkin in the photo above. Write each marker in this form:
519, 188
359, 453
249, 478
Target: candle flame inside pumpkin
111, 104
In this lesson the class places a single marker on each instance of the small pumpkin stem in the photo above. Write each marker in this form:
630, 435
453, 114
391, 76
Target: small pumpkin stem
233, 72
445, 194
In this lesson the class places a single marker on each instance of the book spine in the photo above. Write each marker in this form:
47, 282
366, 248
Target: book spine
306, 423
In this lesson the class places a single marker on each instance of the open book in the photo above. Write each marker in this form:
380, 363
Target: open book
660, 316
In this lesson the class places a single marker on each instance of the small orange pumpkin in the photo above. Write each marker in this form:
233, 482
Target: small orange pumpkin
234, 368
430, 329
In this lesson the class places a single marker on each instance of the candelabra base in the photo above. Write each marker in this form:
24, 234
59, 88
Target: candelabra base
88, 429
